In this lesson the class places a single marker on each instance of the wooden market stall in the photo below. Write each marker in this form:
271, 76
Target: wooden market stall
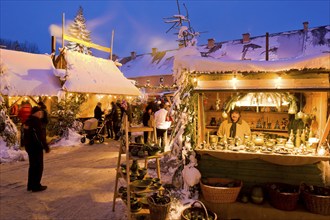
271, 95
27, 76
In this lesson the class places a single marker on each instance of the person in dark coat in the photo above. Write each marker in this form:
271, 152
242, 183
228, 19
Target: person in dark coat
44, 119
35, 143
98, 112
109, 121
145, 120
116, 113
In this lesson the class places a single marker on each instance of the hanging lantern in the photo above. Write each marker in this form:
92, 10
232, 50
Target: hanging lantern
293, 108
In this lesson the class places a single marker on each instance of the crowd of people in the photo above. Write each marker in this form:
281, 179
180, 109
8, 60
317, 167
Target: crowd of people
33, 122
155, 114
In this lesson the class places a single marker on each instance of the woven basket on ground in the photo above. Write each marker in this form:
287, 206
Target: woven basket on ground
158, 211
220, 190
195, 212
283, 196
315, 203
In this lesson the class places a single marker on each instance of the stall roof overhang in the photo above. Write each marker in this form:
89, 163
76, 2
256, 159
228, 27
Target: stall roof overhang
88, 74
318, 83
310, 72
27, 74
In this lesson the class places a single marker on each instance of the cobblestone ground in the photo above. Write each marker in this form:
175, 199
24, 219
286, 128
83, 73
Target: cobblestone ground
80, 182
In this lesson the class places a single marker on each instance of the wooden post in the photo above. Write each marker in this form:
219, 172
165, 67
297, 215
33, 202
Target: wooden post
63, 21
53, 46
326, 132
112, 37
267, 46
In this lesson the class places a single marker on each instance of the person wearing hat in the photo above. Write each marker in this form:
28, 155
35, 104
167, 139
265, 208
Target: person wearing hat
35, 143
235, 126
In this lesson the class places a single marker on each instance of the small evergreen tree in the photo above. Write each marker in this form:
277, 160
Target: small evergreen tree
78, 30
8, 130
65, 115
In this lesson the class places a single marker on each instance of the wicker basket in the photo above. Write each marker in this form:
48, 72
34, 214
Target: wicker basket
283, 200
188, 212
316, 203
157, 211
218, 194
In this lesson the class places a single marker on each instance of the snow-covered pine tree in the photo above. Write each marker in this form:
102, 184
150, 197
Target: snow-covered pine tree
183, 135
8, 130
78, 30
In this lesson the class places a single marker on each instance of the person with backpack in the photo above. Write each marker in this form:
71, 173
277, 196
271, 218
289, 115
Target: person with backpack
23, 113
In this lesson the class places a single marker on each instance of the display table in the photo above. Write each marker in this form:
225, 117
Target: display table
280, 159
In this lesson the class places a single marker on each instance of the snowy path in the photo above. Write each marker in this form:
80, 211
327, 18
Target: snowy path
80, 182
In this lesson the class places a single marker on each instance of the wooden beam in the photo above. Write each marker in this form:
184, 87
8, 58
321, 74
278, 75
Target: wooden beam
87, 44
326, 132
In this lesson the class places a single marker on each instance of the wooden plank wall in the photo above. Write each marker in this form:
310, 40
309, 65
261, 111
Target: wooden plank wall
257, 171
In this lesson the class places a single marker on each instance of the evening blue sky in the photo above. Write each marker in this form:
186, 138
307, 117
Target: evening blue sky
139, 25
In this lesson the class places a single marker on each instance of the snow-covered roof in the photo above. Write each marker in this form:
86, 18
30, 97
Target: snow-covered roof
88, 74
27, 74
188, 58
160, 63
282, 46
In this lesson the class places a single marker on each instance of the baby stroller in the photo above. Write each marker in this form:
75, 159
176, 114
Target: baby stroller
92, 131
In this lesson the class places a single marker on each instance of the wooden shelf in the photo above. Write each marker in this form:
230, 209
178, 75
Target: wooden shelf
125, 150
269, 130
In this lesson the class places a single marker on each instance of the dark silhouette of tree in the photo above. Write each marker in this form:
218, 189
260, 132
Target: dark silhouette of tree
78, 30
15, 45
181, 23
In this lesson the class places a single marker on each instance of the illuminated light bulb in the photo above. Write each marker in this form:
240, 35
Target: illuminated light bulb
269, 99
300, 114
278, 82
321, 151
234, 82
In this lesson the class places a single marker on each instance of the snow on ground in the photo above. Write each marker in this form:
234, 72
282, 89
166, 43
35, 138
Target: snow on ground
72, 171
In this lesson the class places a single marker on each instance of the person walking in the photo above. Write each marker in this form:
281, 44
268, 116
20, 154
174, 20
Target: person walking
162, 124
35, 143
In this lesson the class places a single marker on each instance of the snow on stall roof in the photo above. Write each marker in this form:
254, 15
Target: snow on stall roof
149, 65
282, 46
189, 58
88, 74
25, 74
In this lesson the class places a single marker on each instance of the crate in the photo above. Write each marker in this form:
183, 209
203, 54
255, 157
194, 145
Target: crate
220, 194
